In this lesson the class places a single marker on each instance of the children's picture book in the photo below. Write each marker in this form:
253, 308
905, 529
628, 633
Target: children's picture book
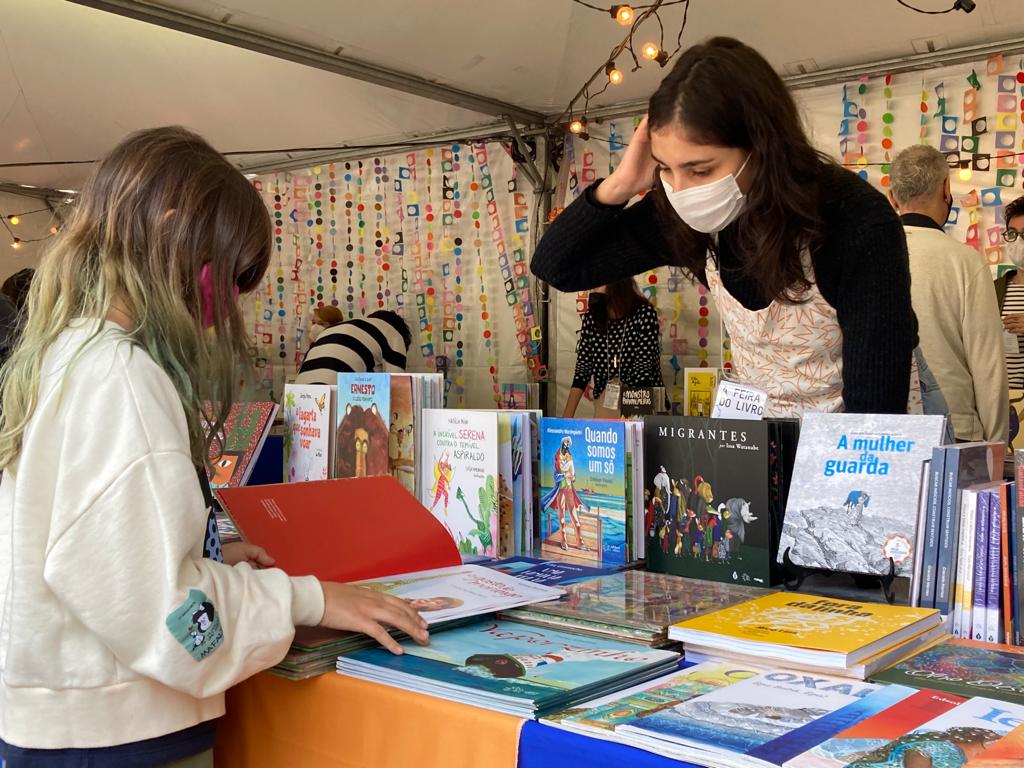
513, 397
511, 667
644, 600
445, 594
909, 712
706, 485
402, 432
583, 489
364, 411
740, 718
459, 463
233, 454
699, 391
965, 668
807, 628
550, 572
951, 740
602, 716
308, 432
853, 502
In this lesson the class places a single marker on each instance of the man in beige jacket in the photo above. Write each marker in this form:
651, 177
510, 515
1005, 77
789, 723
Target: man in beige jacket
953, 298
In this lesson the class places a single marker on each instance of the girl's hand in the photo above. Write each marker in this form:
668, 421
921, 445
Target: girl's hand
635, 173
357, 609
240, 552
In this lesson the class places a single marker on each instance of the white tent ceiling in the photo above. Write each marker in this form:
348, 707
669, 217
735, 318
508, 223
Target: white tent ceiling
74, 79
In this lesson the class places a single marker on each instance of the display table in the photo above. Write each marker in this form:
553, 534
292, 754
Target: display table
338, 721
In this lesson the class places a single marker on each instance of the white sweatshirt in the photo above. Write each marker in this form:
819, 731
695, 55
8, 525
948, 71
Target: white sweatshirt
114, 628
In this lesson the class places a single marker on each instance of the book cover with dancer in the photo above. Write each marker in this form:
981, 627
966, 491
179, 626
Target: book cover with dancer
853, 503
583, 489
459, 465
308, 432
364, 411
706, 485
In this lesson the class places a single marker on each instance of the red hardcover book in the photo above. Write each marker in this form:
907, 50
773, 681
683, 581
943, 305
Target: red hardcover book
341, 530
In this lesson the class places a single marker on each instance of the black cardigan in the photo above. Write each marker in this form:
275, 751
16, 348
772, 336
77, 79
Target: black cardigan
861, 269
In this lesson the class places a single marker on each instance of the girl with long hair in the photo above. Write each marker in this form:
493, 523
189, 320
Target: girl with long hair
619, 340
118, 637
807, 262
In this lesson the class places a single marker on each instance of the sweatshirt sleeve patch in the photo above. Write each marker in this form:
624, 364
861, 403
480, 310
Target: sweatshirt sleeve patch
196, 625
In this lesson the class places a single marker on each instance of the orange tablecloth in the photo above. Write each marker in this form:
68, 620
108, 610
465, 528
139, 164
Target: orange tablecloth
338, 721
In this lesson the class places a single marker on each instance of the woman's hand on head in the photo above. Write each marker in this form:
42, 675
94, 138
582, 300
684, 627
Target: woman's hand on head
634, 174
357, 609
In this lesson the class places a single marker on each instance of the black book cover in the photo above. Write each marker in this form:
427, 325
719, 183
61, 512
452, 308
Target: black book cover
710, 502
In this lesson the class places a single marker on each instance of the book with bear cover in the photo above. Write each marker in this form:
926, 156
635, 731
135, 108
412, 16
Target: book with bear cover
709, 494
364, 412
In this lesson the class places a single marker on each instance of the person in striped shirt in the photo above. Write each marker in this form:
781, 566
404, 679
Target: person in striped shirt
378, 342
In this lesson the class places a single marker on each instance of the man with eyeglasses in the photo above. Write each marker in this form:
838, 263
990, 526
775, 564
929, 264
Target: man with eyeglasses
1010, 288
951, 293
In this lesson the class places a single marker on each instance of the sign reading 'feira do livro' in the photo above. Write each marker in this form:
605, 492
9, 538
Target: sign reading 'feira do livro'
739, 401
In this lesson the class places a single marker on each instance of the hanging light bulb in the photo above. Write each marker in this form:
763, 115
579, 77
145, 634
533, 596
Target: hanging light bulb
14, 219
623, 14
965, 174
650, 51
54, 230
614, 75
578, 125
16, 245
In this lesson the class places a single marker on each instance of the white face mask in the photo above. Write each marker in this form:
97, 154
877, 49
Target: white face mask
1014, 252
709, 208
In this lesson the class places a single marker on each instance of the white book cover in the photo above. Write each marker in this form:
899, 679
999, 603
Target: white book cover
853, 498
922, 514
444, 594
459, 464
953, 738
308, 430
964, 588
755, 711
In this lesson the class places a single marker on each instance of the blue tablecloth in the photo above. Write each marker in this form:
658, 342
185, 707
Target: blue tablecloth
541, 746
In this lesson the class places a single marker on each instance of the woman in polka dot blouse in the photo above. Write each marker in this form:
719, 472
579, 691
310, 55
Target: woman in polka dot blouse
619, 338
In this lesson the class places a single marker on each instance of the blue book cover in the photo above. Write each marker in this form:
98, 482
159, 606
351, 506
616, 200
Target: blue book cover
811, 735
583, 489
742, 717
933, 524
549, 572
364, 413
966, 464
979, 592
543, 667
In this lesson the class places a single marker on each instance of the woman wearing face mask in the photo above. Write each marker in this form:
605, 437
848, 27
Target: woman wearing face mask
1010, 289
807, 262
619, 343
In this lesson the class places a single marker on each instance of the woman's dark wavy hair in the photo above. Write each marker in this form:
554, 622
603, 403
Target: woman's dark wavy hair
725, 93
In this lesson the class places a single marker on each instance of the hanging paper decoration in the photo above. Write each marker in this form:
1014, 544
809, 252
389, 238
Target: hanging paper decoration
924, 113
887, 120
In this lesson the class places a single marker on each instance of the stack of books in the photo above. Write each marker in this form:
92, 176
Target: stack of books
634, 606
811, 633
511, 667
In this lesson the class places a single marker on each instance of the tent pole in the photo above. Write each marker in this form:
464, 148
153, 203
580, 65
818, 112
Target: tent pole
542, 198
527, 164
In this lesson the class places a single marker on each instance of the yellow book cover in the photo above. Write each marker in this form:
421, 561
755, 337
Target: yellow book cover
699, 391
809, 622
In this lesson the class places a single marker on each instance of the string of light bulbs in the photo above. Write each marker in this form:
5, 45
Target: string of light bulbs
14, 219
624, 15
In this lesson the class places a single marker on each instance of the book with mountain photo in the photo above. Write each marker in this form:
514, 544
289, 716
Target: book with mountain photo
853, 503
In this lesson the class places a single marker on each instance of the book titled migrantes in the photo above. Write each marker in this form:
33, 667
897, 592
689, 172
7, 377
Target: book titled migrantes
707, 487
511, 667
853, 502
